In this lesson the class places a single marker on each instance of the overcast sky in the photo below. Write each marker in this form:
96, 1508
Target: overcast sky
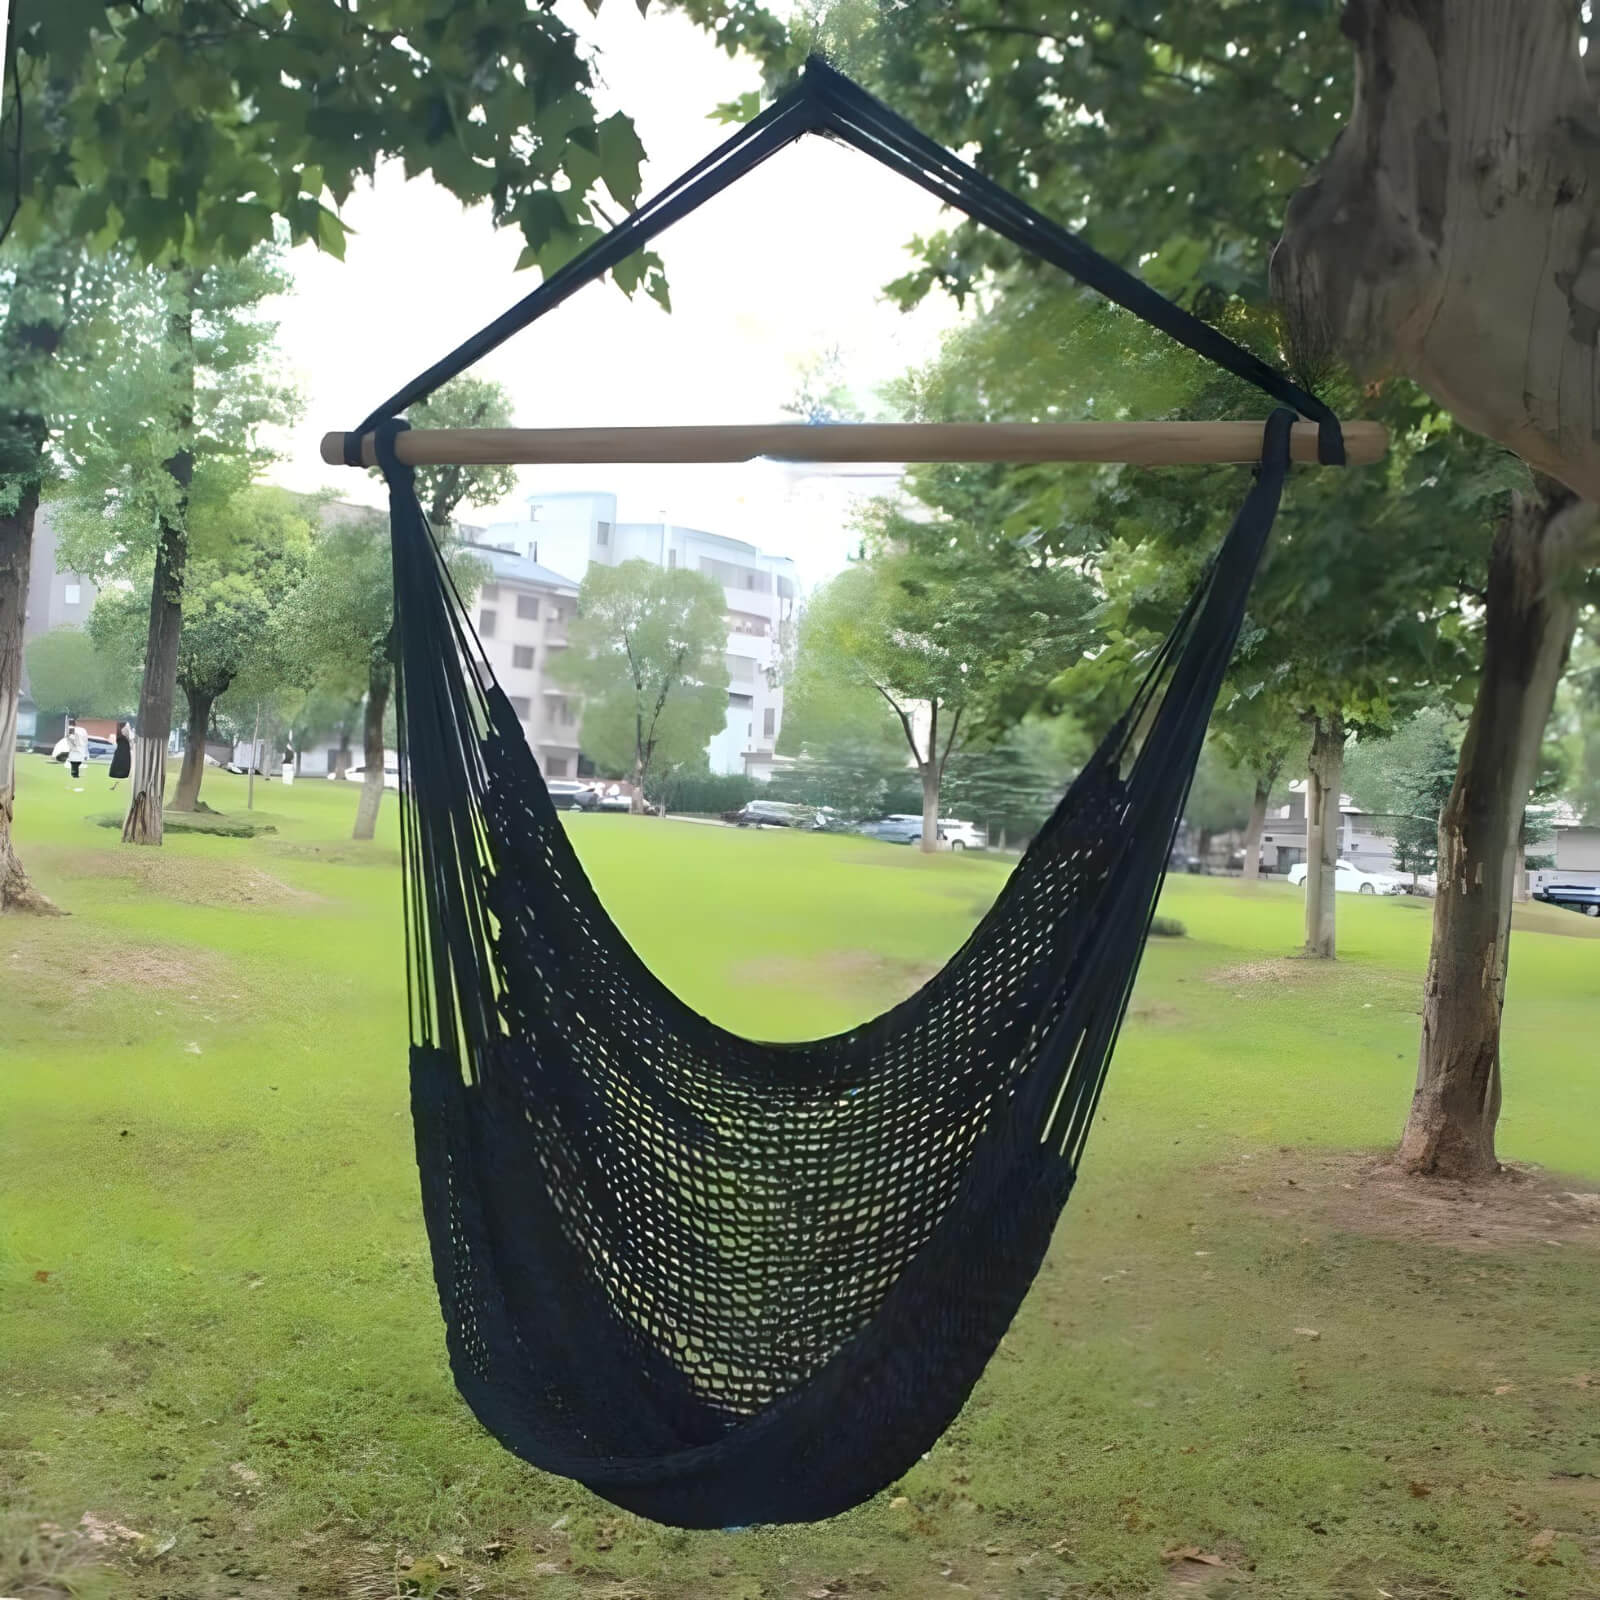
788, 262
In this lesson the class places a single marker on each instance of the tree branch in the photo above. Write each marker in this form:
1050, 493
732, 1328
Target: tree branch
905, 722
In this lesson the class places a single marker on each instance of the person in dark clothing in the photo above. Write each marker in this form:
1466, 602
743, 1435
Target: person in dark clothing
122, 756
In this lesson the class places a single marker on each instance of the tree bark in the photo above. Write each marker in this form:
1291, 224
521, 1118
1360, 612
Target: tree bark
1252, 833
16, 543
1324, 773
187, 793
1453, 231
367, 807
35, 320
1529, 619
930, 805
143, 822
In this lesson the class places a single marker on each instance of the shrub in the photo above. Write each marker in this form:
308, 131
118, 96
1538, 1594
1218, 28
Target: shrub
1167, 928
704, 793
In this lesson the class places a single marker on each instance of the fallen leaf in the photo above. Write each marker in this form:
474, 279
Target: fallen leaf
1504, 1388
1418, 1491
41, 1277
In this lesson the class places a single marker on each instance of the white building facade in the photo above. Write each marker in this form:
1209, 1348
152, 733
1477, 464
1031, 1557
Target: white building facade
521, 614
572, 531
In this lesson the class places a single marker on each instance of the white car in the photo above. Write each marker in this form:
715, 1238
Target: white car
963, 835
1351, 879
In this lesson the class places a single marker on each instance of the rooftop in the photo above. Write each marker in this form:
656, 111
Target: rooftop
509, 567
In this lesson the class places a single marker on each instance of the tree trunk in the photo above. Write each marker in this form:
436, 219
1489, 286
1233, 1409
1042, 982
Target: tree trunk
36, 316
930, 805
1453, 231
1252, 833
373, 753
143, 822
1324, 773
187, 793
341, 757
1529, 620
16, 543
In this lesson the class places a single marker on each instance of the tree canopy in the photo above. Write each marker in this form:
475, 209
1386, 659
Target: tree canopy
645, 652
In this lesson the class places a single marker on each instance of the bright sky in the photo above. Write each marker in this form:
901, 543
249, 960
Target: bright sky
787, 263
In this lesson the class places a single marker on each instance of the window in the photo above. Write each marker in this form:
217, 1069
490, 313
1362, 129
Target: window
522, 706
528, 605
750, 623
672, 560
72, 594
769, 722
602, 533
486, 622
522, 656
555, 766
490, 591
559, 611
740, 701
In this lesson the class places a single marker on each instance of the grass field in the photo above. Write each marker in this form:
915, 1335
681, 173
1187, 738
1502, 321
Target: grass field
218, 1329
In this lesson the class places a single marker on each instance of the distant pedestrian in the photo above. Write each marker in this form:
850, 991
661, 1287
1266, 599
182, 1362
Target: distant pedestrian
122, 756
77, 749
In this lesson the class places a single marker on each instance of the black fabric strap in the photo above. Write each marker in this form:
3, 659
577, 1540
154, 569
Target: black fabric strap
825, 101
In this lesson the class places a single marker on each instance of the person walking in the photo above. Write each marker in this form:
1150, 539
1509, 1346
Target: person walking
77, 750
122, 756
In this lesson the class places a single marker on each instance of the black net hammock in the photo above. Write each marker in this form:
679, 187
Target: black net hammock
722, 1282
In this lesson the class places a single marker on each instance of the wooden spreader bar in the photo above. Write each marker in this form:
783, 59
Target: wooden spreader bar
1149, 444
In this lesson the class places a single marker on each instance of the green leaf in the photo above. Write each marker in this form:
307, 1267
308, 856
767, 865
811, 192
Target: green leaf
330, 233
621, 157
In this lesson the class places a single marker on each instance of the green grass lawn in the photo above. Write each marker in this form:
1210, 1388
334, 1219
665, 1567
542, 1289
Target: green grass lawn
218, 1326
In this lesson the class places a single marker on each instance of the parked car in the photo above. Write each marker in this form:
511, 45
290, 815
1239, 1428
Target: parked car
775, 814
355, 774
1348, 878
895, 830
566, 795
953, 832
613, 797
1580, 897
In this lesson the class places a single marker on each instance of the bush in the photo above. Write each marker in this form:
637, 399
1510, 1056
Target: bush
704, 793
1167, 928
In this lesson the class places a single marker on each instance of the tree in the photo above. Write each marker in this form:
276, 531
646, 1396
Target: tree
189, 132
646, 653
1259, 735
1469, 271
66, 672
40, 287
349, 605
341, 627
1011, 787
241, 587
464, 402
958, 636
172, 441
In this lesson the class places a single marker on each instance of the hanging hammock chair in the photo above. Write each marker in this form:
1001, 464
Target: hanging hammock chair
717, 1281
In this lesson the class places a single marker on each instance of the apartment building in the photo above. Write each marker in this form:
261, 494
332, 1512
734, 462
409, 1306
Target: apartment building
521, 614
571, 531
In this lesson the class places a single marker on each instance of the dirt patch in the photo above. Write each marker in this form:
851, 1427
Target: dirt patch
840, 969
194, 880
1155, 1012
63, 958
1366, 1194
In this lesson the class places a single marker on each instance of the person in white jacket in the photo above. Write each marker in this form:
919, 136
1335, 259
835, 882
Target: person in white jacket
77, 747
